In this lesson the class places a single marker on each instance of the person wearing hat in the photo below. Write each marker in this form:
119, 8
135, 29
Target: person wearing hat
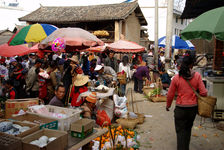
106, 75
89, 106
79, 86
75, 68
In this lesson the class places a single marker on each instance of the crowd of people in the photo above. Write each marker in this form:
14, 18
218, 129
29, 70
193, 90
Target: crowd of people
68, 74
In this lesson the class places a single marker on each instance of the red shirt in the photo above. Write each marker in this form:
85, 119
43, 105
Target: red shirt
185, 95
76, 99
12, 94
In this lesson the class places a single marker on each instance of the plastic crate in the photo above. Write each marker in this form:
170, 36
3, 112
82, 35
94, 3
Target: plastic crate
8, 142
63, 123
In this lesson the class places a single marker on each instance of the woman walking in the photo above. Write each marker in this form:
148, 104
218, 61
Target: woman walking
186, 102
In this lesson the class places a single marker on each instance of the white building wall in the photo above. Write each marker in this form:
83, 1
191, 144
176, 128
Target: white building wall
179, 24
149, 14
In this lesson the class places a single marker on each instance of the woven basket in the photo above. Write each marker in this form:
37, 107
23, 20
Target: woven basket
159, 99
206, 106
127, 122
141, 118
122, 78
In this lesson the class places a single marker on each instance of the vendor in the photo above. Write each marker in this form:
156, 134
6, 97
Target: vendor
79, 86
165, 78
141, 73
59, 95
89, 106
107, 76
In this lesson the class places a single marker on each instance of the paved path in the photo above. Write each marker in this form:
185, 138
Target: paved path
158, 132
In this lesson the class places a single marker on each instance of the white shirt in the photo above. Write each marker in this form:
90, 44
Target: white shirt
126, 69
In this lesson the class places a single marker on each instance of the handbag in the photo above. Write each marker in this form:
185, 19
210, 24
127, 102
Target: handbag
205, 104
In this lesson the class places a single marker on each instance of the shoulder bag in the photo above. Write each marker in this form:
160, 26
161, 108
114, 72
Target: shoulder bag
205, 104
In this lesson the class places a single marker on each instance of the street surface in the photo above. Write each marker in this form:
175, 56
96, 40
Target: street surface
158, 130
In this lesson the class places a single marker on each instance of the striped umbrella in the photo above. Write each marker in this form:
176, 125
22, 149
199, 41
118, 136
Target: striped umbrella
177, 43
32, 33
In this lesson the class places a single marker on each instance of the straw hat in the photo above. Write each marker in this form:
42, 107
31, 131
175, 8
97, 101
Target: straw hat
75, 59
81, 80
92, 98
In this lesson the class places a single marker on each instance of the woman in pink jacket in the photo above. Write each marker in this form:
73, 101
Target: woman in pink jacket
186, 101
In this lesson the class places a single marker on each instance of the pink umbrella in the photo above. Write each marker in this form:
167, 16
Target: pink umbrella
123, 46
76, 38
9, 51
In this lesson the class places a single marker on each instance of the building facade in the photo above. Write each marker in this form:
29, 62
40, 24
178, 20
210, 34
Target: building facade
123, 20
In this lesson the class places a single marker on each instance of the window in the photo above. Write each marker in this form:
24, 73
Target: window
176, 19
182, 21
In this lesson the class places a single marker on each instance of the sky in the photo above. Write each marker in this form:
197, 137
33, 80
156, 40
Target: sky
27, 6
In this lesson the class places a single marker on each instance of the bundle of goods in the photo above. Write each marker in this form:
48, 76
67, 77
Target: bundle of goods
117, 138
46, 139
12, 129
102, 89
65, 116
101, 33
105, 112
42, 141
120, 106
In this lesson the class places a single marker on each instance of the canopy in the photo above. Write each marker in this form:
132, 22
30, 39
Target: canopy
206, 25
10, 51
177, 43
123, 46
76, 38
32, 33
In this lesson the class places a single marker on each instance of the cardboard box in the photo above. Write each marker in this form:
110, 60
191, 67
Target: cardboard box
82, 128
82, 125
9, 142
43, 122
60, 143
13, 106
33, 127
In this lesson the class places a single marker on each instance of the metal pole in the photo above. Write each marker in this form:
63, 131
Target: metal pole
169, 32
156, 34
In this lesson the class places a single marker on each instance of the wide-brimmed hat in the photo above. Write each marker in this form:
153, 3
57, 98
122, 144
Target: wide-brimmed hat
75, 59
81, 80
92, 98
98, 67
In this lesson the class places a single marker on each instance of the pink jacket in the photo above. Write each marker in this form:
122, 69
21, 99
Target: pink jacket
185, 95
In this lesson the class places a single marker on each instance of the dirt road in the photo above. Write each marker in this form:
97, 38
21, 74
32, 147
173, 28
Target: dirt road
158, 131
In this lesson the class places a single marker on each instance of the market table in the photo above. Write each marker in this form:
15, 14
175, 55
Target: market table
76, 143
99, 95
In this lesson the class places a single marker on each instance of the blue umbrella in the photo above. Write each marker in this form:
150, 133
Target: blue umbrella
177, 43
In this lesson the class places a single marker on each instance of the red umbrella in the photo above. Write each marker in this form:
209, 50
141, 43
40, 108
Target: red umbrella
76, 38
9, 51
123, 46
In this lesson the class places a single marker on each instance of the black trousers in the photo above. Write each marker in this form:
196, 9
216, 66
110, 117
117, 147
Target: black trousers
138, 85
184, 118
